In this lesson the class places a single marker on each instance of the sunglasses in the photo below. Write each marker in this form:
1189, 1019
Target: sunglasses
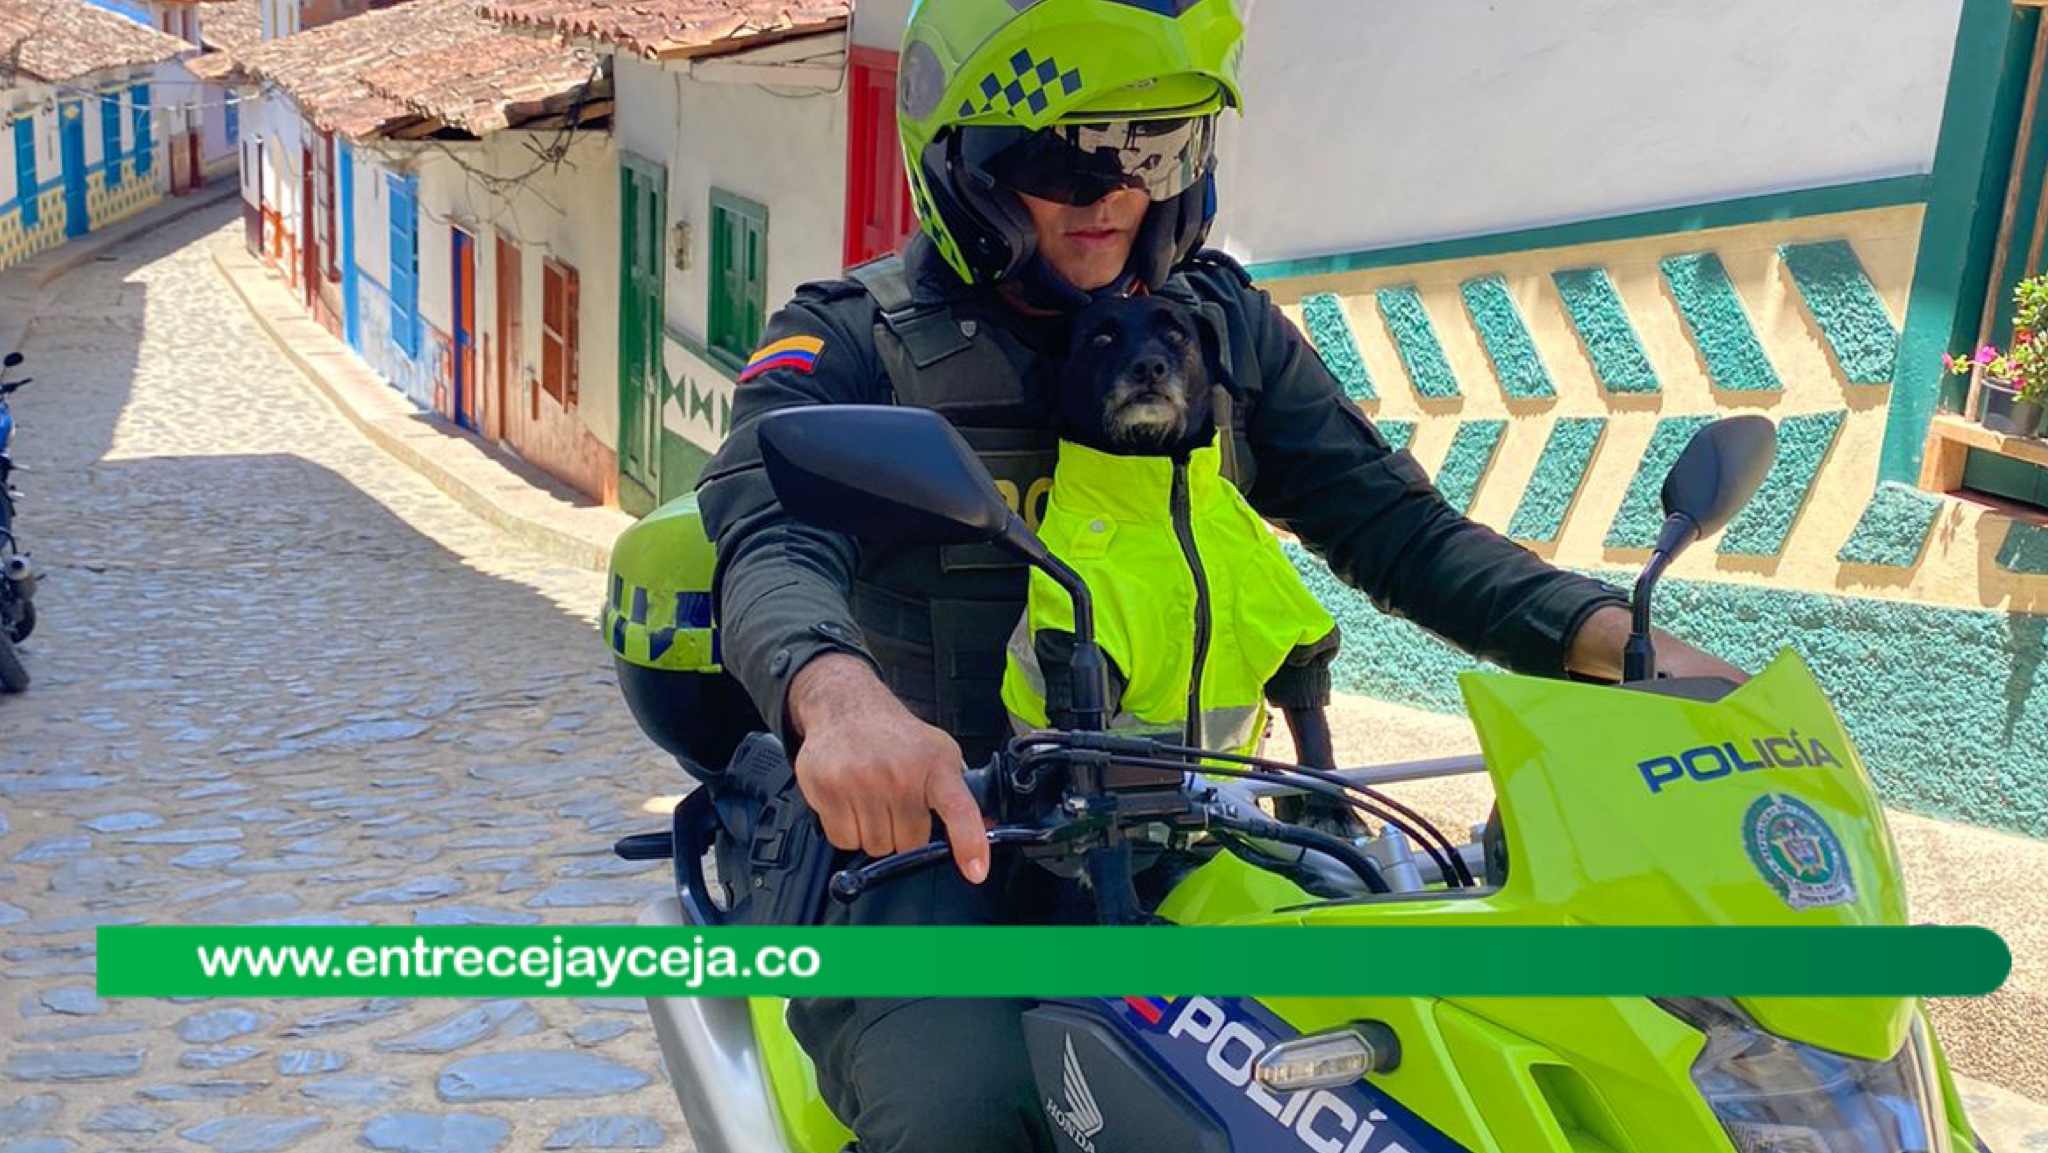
1079, 164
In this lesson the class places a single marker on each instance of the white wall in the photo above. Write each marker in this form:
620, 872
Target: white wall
784, 151
1377, 122
277, 122
372, 207
879, 23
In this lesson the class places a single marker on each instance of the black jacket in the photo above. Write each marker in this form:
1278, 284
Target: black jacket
1308, 460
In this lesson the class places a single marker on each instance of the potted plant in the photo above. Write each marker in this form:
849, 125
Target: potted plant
2013, 391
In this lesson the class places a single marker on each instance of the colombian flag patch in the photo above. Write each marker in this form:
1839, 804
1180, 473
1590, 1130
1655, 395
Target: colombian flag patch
797, 352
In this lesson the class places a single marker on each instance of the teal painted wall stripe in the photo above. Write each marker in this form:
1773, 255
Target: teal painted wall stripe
1508, 344
1761, 527
2025, 549
1893, 529
1399, 433
1330, 333
1610, 337
1720, 325
1641, 514
1468, 459
1560, 471
1889, 192
1972, 158
1415, 337
1846, 307
1897, 672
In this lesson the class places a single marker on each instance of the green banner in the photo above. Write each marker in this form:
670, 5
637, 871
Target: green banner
148, 961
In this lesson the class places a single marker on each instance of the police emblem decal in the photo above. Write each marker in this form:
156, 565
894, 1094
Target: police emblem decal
1799, 856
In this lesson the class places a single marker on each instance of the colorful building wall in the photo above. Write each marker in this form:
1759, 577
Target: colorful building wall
1547, 380
547, 216
118, 180
786, 154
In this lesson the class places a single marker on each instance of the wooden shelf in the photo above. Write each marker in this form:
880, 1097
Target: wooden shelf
1950, 439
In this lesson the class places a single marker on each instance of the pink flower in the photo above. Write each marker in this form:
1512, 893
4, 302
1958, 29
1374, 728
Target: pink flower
1949, 362
1986, 354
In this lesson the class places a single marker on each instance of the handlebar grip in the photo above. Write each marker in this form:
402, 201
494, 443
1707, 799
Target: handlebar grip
981, 785
646, 847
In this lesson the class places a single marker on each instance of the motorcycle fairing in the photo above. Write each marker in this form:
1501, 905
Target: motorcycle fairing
1633, 808
1207, 1046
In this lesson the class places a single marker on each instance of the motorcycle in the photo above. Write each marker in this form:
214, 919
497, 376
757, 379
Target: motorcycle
1674, 801
17, 579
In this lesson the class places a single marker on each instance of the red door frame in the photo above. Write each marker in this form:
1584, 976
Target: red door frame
511, 282
309, 241
874, 164
462, 248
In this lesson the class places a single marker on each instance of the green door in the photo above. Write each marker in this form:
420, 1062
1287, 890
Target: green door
643, 191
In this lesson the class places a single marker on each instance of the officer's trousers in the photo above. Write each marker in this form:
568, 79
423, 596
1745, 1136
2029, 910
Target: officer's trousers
933, 1074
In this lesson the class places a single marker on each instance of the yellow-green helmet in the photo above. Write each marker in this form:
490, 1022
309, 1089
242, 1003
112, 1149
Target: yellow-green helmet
977, 77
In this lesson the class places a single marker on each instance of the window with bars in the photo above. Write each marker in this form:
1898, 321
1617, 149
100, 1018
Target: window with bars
560, 325
110, 132
27, 186
739, 275
138, 104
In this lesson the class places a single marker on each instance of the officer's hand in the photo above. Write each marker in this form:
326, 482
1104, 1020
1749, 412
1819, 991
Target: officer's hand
875, 774
1596, 650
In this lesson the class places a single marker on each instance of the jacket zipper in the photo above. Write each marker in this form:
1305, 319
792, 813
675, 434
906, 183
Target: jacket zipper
1184, 528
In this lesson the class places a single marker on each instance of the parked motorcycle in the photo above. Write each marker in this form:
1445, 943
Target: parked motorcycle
17, 579
1659, 801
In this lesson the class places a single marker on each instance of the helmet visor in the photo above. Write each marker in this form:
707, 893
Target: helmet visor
1079, 164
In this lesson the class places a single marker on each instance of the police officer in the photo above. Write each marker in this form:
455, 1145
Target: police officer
1057, 150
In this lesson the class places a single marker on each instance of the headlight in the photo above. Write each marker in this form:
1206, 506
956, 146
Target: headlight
1779, 1096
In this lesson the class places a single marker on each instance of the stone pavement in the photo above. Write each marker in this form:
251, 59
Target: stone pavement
279, 679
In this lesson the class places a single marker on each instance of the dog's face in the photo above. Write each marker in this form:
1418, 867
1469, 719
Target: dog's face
1136, 382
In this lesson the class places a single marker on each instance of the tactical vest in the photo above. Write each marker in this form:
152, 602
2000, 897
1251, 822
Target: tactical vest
1195, 602
939, 620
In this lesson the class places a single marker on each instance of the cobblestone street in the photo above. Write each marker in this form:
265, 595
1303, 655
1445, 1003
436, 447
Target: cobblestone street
281, 679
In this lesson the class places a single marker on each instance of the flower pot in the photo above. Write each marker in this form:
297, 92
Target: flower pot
2003, 411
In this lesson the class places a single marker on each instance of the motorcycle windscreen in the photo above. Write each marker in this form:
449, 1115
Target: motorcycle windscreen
1624, 807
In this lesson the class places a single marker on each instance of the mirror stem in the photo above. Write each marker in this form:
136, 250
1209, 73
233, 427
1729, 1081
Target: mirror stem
1639, 656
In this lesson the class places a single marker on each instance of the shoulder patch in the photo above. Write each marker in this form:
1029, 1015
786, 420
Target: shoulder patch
797, 352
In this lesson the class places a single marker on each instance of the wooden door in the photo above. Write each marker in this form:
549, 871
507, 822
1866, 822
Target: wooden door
464, 296
511, 280
643, 188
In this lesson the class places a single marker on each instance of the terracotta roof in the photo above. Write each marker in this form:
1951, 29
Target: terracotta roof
233, 26
669, 29
63, 40
227, 28
411, 69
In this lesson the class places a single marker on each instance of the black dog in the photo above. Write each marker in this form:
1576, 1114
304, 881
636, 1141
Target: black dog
1137, 379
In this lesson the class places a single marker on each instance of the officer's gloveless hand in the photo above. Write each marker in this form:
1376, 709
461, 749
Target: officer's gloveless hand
874, 773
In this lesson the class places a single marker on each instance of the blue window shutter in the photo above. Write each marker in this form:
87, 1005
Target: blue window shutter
26, 186
110, 133
138, 97
231, 110
405, 257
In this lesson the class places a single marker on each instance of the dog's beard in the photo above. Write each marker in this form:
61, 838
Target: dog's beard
1143, 416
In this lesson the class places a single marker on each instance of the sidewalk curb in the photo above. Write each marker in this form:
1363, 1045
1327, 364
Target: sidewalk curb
27, 281
523, 502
